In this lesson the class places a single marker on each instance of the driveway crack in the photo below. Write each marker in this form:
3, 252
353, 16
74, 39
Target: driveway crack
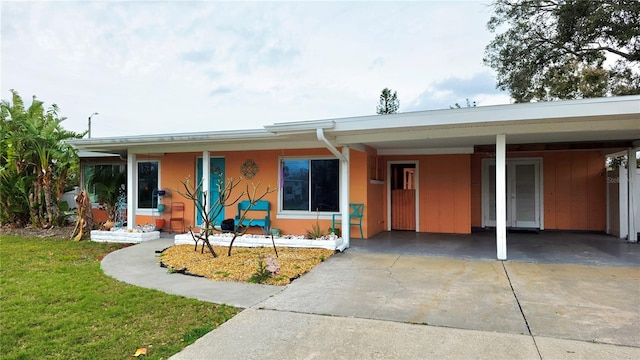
521, 311
392, 276
399, 284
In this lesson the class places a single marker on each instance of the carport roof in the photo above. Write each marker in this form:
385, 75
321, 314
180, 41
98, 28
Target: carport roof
432, 131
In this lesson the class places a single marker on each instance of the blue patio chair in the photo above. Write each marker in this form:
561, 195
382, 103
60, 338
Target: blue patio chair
355, 218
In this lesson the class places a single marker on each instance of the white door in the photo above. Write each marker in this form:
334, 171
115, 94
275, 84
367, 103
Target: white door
523, 193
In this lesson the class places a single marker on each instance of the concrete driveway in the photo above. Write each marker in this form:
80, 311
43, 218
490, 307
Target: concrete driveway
360, 305
576, 302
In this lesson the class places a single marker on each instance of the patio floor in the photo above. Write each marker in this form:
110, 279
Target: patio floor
544, 247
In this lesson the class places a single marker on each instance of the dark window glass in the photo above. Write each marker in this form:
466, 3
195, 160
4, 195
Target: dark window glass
325, 181
147, 183
295, 184
310, 185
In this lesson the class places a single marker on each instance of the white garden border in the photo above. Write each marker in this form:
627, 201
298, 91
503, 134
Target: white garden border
123, 236
247, 240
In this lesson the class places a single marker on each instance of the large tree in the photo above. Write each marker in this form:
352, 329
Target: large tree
565, 49
34, 161
389, 103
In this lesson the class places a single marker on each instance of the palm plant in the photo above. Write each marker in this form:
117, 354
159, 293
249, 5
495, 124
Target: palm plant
34, 147
14, 196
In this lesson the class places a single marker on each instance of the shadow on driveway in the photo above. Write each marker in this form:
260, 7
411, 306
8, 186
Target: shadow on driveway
560, 247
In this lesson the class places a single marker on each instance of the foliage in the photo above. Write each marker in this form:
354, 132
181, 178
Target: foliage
14, 196
621, 161
315, 232
458, 106
108, 183
35, 162
388, 103
227, 196
261, 275
57, 304
564, 49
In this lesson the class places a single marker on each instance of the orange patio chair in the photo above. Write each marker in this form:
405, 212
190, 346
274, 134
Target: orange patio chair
177, 215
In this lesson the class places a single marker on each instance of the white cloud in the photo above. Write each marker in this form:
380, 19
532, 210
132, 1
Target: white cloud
479, 88
150, 67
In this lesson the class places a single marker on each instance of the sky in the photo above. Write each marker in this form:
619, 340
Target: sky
164, 67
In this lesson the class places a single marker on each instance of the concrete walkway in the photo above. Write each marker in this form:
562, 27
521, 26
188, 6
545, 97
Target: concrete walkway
139, 265
362, 305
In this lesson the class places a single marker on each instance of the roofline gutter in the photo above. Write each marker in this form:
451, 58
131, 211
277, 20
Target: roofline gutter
329, 145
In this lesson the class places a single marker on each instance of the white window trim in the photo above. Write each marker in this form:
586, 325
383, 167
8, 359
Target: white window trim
302, 214
144, 211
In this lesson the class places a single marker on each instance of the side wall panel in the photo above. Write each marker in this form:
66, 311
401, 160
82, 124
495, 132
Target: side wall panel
574, 189
358, 188
375, 211
444, 192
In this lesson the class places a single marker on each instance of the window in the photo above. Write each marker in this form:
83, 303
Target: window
403, 177
89, 169
147, 183
310, 185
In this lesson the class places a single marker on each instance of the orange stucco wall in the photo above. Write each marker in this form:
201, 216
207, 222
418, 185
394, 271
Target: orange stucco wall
375, 210
574, 189
450, 188
174, 168
444, 192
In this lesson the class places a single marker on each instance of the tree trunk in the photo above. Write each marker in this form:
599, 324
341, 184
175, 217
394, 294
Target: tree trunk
33, 208
47, 185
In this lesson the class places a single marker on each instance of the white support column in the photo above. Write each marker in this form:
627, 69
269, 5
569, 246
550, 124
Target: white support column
132, 191
501, 196
344, 198
206, 172
631, 206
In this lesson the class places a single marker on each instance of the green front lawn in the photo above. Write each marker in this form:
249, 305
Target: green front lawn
56, 303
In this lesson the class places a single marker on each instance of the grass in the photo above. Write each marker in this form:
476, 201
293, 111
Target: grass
57, 304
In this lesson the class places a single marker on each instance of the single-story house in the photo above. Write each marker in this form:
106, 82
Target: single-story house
531, 165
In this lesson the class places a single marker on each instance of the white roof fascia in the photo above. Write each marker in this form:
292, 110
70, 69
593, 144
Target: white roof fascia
231, 135
427, 151
519, 118
300, 126
244, 146
632, 126
492, 115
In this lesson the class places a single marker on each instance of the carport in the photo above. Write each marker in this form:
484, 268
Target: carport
537, 166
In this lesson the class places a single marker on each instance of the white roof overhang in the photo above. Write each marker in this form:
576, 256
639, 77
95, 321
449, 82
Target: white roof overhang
258, 139
434, 131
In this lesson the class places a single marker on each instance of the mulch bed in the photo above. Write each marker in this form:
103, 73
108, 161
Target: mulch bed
243, 262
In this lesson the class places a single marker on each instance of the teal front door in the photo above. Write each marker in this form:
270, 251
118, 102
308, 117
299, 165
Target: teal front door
216, 176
